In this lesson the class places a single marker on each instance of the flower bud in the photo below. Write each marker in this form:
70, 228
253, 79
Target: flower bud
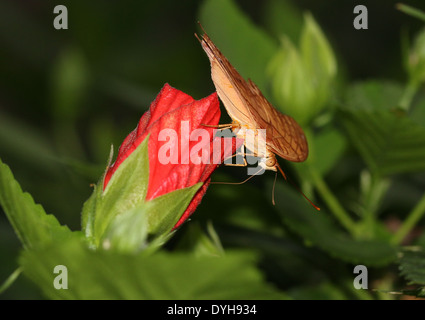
143, 194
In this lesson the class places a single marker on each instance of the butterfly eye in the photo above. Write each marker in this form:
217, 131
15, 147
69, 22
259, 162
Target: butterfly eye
271, 162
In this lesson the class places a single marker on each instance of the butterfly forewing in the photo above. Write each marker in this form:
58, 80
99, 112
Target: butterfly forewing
246, 105
285, 137
226, 81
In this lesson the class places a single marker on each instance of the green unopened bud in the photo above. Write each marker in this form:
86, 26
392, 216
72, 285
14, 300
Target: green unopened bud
290, 83
416, 59
302, 79
316, 51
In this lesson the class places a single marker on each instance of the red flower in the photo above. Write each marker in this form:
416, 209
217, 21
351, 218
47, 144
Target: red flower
169, 111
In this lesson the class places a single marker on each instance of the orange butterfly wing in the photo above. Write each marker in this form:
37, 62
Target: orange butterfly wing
227, 82
285, 137
246, 104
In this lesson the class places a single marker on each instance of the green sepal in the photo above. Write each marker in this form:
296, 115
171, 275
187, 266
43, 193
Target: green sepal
120, 218
125, 191
129, 231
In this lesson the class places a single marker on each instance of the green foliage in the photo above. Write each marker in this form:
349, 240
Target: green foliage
318, 229
32, 225
119, 217
389, 141
238, 39
412, 267
329, 146
201, 244
50, 245
109, 275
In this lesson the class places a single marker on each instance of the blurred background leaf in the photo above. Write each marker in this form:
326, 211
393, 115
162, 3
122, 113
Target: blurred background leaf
317, 229
412, 265
161, 276
241, 41
388, 140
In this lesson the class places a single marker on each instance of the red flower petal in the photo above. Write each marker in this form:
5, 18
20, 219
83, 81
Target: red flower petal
173, 109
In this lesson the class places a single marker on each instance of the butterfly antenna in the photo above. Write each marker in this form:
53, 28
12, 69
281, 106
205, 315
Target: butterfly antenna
274, 184
296, 187
242, 182
203, 30
200, 25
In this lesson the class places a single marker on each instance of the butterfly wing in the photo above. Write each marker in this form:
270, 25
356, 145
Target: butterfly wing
246, 104
227, 82
285, 137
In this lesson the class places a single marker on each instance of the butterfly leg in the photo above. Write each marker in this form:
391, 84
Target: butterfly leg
219, 126
236, 164
243, 157
234, 125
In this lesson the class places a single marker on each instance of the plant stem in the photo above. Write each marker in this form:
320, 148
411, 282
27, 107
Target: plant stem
373, 189
411, 11
414, 216
358, 293
408, 94
10, 280
333, 203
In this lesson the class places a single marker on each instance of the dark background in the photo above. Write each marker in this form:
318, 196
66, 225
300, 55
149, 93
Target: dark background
56, 138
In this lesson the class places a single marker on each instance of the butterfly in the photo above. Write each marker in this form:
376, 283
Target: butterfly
250, 110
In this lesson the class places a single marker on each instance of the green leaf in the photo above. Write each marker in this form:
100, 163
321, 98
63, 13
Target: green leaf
376, 95
200, 244
317, 228
389, 142
328, 147
29, 220
412, 265
417, 112
282, 17
418, 292
248, 48
109, 275
286, 260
